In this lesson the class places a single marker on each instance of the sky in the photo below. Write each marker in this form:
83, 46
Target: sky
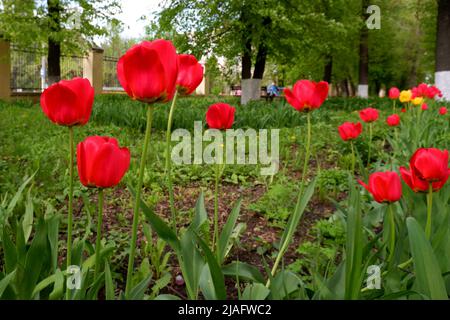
132, 11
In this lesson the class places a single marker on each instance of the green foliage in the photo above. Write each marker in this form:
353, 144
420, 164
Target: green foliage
28, 23
320, 256
277, 204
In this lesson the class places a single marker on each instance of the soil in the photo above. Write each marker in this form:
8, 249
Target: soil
258, 234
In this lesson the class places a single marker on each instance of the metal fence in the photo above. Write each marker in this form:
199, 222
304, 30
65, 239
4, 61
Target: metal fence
110, 80
26, 69
71, 66
29, 69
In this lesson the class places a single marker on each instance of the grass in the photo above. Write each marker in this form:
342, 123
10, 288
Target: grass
30, 143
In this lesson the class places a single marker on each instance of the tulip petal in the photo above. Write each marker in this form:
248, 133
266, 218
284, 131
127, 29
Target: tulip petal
292, 99
144, 74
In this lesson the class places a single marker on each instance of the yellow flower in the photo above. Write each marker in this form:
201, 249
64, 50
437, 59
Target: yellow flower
417, 101
405, 96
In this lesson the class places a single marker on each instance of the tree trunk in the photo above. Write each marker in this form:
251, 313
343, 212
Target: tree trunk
54, 45
442, 75
328, 69
251, 88
246, 72
363, 87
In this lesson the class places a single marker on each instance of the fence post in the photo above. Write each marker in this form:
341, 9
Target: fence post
93, 69
5, 69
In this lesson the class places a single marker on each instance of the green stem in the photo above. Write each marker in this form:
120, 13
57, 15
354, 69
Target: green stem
216, 210
98, 242
137, 202
302, 185
393, 106
429, 210
168, 167
353, 156
392, 232
70, 211
370, 143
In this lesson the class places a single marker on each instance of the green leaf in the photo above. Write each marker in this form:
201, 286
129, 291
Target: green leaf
35, 259
109, 286
27, 221
294, 219
216, 273
43, 284
58, 287
428, 274
354, 245
167, 297
227, 230
4, 283
15, 199
191, 263
137, 293
161, 228
9, 252
243, 270
255, 291
285, 283
201, 216
52, 234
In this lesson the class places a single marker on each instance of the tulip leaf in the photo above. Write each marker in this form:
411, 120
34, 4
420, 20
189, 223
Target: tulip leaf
4, 283
354, 245
255, 291
167, 297
137, 293
428, 274
161, 228
109, 286
214, 268
244, 271
58, 287
227, 230
27, 220
191, 263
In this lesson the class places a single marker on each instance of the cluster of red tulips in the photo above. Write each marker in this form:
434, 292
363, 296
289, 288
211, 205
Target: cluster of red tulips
149, 72
428, 170
153, 72
417, 96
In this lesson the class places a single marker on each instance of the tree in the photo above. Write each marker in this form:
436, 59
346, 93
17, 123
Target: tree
442, 75
256, 31
59, 26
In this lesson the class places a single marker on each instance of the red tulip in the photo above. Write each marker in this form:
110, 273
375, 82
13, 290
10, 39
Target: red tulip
424, 107
427, 166
393, 120
368, 115
420, 91
307, 95
433, 91
349, 130
148, 71
394, 93
220, 116
190, 73
403, 110
384, 186
68, 102
101, 162
443, 111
